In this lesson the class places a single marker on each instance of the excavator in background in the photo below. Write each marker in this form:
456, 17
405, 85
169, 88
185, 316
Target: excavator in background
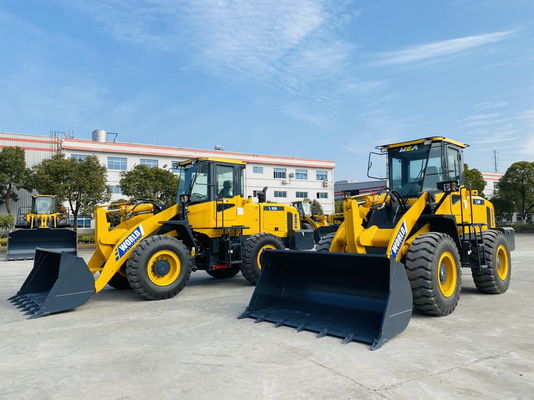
45, 226
401, 248
153, 249
320, 224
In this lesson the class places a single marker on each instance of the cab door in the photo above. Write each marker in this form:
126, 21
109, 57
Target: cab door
226, 192
461, 206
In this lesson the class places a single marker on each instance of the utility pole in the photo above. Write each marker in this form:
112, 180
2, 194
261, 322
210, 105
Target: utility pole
495, 159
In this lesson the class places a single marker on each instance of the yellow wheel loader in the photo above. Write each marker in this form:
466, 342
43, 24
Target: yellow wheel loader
321, 225
403, 247
44, 226
153, 250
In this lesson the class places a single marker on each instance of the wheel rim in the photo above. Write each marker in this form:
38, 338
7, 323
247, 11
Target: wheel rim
258, 257
163, 268
503, 263
447, 274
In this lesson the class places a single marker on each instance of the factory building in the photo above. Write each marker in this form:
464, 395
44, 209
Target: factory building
287, 178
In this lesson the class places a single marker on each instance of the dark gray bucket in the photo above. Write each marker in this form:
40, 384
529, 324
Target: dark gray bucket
21, 244
357, 297
57, 282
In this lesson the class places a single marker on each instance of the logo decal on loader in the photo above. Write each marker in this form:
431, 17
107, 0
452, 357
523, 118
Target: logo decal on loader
128, 243
273, 208
399, 240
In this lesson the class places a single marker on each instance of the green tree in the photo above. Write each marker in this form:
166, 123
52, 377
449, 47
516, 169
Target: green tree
154, 184
80, 182
503, 208
6, 221
316, 208
517, 187
473, 179
13, 175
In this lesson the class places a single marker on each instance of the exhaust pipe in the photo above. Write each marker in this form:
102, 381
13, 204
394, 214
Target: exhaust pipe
357, 297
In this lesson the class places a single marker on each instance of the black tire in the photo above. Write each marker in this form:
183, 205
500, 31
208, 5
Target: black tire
325, 243
306, 225
224, 273
496, 251
249, 254
119, 281
427, 264
137, 267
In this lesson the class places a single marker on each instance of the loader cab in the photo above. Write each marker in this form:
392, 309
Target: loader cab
303, 207
43, 205
418, 166
210, 179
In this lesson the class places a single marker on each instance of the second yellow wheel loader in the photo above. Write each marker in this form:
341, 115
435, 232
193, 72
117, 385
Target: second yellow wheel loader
44, 226
322, 225
212, 227
401, 248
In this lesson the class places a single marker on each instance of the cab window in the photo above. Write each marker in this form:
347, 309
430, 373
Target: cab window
434, 169
224, 181
199, 190
454, 165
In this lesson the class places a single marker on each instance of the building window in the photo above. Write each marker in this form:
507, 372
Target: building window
280, 193
83, 222
257, 170
115, 189
280, 173
321, 175
149, 162
495, 185
322, 195
118, 163
301, 174
78, 156
302, 195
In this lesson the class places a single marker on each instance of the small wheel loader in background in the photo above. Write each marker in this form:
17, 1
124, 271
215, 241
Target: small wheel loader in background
401, 248
153, 250
44, 226
321, 224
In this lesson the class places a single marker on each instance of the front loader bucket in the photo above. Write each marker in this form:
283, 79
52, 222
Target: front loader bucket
57, 282
21, 244
361, 297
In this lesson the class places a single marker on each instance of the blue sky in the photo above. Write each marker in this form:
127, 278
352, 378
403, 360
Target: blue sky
321, 79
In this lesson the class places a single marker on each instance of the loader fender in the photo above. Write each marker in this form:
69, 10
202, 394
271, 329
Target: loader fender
444, 224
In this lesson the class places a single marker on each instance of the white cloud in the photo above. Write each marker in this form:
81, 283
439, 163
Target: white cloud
490, 104
436, 50
528, 147
291, 41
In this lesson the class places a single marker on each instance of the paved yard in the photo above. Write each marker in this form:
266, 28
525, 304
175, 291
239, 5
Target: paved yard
119, 346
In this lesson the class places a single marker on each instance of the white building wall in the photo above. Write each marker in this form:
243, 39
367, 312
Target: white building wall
492, 183
37, 148
165, 157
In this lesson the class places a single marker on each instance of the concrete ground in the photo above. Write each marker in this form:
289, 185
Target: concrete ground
118, 346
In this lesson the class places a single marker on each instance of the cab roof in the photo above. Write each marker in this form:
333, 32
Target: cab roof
212, 159
422, 140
